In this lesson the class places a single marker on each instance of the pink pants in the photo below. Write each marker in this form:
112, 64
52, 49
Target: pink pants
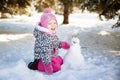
56, 64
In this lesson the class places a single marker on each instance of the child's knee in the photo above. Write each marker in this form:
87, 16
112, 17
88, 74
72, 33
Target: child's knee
40, 66
60, 60
56, 67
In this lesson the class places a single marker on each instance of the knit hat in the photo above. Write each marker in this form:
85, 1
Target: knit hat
46, 17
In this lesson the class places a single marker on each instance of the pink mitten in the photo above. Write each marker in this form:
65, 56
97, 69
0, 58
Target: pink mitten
65, 45
48, 68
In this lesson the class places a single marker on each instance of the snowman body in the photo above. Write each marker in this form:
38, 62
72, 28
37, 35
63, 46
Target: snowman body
74, 59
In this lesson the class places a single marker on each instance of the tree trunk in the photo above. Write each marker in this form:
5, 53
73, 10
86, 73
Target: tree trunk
117, 24
66, 14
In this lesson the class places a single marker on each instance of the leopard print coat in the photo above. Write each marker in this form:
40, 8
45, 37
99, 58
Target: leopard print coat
44, 45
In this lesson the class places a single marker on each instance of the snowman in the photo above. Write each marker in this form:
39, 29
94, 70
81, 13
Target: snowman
73, 58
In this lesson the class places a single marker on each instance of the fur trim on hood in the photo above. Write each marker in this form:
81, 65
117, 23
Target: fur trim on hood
43, 29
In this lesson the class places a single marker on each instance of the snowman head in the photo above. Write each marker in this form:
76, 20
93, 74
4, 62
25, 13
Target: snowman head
75, 40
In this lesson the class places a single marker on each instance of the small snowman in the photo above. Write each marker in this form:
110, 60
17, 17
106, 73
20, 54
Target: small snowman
73, 58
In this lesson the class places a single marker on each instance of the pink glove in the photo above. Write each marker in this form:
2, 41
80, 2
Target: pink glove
48, 68
64, 45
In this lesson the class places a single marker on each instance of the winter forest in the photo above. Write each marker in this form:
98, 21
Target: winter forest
96, 23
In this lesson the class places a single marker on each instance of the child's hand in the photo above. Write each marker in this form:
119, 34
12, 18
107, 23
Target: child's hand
65, 45
48, 68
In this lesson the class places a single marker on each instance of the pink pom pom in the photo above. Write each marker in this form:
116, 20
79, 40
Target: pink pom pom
47, 10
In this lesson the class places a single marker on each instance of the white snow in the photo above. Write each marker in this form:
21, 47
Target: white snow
100, 47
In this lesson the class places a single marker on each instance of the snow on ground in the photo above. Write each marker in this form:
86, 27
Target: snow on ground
100, 47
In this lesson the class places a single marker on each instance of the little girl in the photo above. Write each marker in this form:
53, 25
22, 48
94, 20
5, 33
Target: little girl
46, 57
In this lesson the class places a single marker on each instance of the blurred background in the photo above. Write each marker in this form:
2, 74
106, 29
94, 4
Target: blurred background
107, 9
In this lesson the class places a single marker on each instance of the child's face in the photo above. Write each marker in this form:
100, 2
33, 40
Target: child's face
52, 26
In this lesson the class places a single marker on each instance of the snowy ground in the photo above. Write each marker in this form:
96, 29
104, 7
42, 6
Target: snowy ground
101, 48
